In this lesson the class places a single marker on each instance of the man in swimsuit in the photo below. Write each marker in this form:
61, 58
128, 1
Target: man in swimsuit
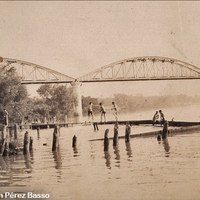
155, 117
162, 118
90, 112
103, 112
115, 110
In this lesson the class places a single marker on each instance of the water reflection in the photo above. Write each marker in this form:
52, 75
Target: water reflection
57, 158
61, 170
75, 150
14, 169
116, 152
27, 160
166, 147
128, 151
107, 157
159, 138
3, 165
92, 151
5, 173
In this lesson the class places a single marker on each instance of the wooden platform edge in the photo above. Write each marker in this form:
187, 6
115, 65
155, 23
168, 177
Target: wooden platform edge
173, 131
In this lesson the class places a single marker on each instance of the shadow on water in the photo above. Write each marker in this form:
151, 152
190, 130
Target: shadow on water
128, 151
116, 152
107, 157
166, 147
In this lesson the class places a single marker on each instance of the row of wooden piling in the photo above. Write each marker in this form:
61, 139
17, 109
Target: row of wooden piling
56, 134
163, 135
115, 137
55, 144
9, 139
9, 144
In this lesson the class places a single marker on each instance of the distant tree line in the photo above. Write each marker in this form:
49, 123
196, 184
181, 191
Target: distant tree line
128, 103
139, 102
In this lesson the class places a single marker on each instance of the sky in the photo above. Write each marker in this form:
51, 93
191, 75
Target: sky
76, 37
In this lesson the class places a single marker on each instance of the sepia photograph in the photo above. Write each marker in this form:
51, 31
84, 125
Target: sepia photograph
100, 100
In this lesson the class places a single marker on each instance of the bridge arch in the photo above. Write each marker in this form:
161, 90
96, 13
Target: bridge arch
143, 68
31, 73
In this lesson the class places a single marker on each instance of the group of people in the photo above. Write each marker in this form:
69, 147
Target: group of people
102, 111
158, 117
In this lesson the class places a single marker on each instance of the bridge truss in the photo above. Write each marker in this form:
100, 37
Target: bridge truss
134, 69
35, 74
143, 68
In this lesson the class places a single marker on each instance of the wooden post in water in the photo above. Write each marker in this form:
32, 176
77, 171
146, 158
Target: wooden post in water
165, 130
14, 143
6, 146
74, 139
106, 140
4, 151
127, 132
31, 144
15, 131
2, 138
115, 138
55, 144
26, 143
38, 132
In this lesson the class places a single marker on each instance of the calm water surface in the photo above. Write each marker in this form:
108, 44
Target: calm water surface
143, 169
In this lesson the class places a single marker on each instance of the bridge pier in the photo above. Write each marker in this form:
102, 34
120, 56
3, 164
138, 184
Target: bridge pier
78, 116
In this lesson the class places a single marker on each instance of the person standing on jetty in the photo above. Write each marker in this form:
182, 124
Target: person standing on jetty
103, 112
5, 117
162, 117
155, 117
90, 112
115, 110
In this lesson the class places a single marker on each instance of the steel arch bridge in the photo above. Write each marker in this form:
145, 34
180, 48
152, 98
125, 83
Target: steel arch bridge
143, 68
35, 74
133, 69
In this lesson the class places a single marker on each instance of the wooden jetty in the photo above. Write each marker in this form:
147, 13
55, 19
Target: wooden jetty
131, 122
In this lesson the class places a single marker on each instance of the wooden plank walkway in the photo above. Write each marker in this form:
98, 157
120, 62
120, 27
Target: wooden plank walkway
132, 122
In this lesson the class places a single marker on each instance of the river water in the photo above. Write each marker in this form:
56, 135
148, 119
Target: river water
178, 113
144, 169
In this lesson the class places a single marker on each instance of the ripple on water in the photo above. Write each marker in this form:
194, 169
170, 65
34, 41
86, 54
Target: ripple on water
139, 169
